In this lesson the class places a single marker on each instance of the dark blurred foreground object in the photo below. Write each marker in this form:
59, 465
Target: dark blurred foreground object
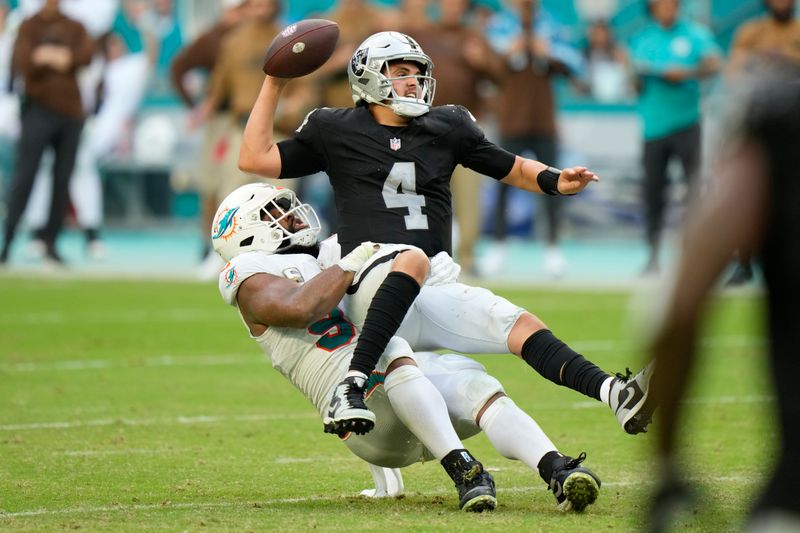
755, 178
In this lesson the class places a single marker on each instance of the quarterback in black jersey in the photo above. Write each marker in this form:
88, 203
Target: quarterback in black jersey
390, 160
395, 177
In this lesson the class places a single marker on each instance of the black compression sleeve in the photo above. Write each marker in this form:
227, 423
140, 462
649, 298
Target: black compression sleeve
384, 316
556, 361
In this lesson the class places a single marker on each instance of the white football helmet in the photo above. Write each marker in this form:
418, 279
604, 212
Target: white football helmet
250, 218
369, 66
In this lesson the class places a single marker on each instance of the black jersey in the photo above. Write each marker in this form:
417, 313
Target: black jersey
392, 184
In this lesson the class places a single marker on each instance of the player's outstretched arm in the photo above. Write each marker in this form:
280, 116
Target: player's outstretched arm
535, 176
269, 300
259, 154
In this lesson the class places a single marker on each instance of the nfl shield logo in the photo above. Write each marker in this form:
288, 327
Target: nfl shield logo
394, 144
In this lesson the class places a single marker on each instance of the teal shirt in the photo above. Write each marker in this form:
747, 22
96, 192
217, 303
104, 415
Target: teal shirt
669, 107
128, 32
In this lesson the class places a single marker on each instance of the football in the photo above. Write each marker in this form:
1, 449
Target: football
301, 48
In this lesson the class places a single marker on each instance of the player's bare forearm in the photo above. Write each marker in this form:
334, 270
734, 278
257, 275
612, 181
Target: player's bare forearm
525, 173
274, 301
259, 154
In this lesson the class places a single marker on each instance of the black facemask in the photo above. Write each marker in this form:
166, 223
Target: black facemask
312, 250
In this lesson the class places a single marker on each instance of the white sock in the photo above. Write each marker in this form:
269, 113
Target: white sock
515, 434
361, 377
420, 406
605, 390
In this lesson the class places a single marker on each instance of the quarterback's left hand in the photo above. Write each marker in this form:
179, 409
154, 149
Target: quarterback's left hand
574, 179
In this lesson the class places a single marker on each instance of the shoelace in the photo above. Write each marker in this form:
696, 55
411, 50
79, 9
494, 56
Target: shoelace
355, 394
627, 375
574, 463
472, 473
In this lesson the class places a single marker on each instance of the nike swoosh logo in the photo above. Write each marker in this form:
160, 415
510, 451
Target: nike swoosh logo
634, 396
334, 404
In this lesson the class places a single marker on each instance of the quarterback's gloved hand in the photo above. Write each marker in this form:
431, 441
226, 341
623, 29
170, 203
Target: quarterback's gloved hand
353, 261
443, 270
330, 252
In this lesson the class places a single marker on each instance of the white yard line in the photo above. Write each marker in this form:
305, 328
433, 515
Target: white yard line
159, 361
216, 419
189, 314
597, 345
280, 501
179, 420
126, 451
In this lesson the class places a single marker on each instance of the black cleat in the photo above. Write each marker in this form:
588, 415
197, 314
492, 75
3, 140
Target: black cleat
347, 412
475, 486
575, 487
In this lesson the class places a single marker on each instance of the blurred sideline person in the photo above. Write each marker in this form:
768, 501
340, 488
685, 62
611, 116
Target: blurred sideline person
49, 51
85, 187
755, 180
525, 37
290, 308
122, 84
607, 65
390, 160
670, 56
203, 53
775, 35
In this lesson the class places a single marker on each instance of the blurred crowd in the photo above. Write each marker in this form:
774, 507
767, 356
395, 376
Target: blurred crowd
97, 91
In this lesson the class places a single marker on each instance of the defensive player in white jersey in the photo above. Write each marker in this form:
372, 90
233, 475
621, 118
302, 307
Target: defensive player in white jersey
425, 403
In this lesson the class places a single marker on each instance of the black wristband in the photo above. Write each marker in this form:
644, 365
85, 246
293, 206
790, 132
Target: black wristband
548, 180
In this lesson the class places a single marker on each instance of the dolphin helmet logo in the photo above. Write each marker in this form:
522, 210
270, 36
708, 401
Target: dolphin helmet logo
225, 225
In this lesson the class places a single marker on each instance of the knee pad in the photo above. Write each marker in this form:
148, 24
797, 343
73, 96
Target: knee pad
464, 384
493, 409
479, 388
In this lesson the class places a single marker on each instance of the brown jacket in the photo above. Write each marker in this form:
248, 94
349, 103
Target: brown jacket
201, 53
237, 75
45, 86
526, 106
457, 81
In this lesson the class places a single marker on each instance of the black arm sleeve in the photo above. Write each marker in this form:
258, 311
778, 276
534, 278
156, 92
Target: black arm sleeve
304, 154
299, 159
480, 154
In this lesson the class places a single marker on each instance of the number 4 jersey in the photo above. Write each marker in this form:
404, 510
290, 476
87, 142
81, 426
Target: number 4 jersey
392, 184
315, 358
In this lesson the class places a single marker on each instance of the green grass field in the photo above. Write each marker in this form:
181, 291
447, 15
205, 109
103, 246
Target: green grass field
143, 405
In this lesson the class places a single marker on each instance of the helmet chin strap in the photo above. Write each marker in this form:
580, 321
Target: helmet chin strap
304, 237
405, 107
409, 107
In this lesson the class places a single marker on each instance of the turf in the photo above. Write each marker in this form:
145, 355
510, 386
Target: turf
145, 406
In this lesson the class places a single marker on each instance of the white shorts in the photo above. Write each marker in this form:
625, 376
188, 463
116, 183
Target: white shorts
465, 387
453, 316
